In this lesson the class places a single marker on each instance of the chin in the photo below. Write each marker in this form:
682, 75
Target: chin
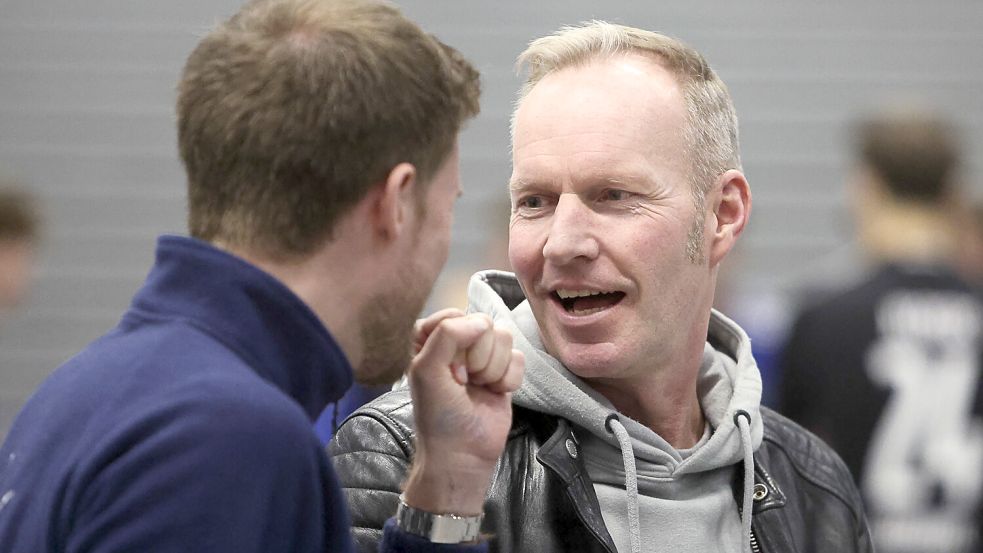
589, 361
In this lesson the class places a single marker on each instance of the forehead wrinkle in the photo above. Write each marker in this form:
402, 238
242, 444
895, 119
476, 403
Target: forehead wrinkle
623, 171
621, 142
546, 133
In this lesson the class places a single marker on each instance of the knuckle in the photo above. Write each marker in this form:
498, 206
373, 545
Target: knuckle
449, 313
483, 317
445, 329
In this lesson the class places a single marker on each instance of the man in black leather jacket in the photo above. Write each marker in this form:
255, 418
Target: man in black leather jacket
639, 425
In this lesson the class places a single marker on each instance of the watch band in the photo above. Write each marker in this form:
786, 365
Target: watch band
437, 528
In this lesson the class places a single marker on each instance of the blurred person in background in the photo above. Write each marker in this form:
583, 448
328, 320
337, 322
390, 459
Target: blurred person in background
888, 371
639, 426
19, 232
971, 241
319, 139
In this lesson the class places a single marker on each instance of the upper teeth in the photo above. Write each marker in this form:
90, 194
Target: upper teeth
565, 294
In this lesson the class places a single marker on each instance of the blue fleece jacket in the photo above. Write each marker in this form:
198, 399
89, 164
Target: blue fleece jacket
187, 427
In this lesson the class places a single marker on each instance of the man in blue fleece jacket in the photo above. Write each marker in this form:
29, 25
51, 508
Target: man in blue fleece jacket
319, 138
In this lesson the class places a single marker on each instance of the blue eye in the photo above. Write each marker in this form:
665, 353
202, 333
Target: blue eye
615, 195
531, 202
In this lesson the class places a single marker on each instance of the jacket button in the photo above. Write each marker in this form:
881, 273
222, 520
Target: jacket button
571, 448
760, 492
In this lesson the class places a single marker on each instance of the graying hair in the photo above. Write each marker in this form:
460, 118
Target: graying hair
711, 136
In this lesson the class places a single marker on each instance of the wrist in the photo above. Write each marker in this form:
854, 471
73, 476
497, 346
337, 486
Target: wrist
448, 487
438, 528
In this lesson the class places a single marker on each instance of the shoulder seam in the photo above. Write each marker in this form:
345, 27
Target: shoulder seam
832, 489
402, 433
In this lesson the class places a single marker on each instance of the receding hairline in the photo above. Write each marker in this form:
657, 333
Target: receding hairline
580, 45
604, 60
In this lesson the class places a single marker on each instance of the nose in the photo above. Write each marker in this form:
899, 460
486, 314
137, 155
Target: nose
571, 236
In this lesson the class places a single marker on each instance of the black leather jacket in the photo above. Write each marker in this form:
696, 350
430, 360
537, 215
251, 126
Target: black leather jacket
541, 499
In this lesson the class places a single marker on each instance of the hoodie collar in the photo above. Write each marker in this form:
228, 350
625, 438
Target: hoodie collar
729, 389
250, 312
729, 382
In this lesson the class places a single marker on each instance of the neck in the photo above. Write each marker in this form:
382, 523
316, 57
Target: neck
908, 232
672, 413
664, 398
332, 297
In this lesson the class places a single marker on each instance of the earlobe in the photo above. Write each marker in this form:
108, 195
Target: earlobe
731, 209
395, 197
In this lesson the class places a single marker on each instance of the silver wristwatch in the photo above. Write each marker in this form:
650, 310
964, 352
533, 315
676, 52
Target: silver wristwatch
437, 528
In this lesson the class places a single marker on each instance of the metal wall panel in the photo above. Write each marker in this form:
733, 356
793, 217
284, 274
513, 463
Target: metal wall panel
86, 120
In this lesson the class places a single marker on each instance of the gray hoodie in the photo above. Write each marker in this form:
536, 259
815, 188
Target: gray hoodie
653, 497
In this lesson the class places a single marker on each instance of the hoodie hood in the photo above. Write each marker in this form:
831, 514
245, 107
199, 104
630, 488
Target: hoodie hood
729, 382
729, 390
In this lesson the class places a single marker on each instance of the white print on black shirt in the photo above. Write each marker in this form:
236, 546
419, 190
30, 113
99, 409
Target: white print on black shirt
922, 474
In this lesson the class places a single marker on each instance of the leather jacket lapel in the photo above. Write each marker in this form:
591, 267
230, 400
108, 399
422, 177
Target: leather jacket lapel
561, 455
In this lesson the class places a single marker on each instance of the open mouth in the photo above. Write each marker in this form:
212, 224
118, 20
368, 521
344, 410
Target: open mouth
586, 302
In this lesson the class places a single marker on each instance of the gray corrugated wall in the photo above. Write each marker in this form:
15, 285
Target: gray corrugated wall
86, 119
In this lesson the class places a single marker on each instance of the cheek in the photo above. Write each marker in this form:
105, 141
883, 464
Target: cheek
523, 253
662, 241
443, 246
434, 247
443, 225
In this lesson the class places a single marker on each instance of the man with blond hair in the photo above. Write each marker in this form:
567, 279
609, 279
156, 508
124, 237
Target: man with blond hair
639, 425
320, 143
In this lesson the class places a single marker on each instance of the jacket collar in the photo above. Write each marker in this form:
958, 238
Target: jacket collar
561, 454
251, 313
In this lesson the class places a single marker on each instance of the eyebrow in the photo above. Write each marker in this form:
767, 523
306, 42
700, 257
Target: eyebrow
518, 184
625, 180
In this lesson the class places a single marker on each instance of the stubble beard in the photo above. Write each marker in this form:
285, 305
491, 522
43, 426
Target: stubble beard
387, 338
694, 239
387, 330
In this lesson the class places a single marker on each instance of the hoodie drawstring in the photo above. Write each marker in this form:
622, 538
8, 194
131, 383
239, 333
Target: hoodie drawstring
631, 479
743, 421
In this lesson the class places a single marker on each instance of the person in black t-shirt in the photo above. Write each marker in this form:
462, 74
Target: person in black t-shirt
888, 371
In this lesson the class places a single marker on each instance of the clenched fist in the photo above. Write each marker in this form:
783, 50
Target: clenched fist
461, 381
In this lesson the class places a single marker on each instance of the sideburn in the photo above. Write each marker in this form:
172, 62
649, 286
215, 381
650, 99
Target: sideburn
695, 239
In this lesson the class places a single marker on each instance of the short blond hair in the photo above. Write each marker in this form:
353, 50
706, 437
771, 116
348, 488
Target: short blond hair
711, 136
291, 110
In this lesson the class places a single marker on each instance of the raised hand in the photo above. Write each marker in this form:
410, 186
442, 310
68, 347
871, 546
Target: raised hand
461, 380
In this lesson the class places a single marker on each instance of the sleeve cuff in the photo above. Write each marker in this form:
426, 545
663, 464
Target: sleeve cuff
395, 540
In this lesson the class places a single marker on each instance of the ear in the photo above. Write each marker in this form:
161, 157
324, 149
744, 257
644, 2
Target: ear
731, 202
394, 200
